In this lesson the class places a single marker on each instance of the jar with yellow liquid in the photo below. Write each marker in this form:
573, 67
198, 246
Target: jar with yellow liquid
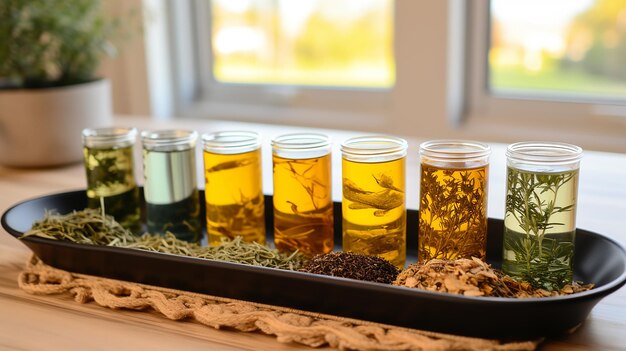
303, 204
373, 191
453, 200
109, 166
233, 189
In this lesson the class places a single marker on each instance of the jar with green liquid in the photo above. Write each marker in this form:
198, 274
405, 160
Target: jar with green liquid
540, 216
170, 186
109, 166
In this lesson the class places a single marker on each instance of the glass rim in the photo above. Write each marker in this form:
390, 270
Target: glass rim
544, 152
109, 137
301, 141
230, 142
168, 139
454, 149
380, 145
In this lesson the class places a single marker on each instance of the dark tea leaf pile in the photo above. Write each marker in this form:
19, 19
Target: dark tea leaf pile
353, 266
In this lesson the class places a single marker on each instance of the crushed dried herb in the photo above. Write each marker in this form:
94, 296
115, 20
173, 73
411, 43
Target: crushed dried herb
353, 266
90, 226
473, 277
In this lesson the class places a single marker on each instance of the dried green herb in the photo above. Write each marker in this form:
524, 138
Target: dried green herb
91, 227
353, 266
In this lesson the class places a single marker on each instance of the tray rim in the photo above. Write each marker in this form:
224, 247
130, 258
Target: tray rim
610, 286
580, 304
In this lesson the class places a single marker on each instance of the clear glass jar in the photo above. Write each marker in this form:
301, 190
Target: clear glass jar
540, 216
170, 188
233, 192
303, 204
453, 200
109, 166
373, 197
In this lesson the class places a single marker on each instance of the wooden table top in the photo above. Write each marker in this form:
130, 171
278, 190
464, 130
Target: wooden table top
30, 322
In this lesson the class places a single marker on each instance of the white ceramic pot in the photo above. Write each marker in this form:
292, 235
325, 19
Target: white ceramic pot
42, 127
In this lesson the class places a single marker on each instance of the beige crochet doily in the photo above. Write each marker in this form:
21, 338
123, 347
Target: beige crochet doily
287, 325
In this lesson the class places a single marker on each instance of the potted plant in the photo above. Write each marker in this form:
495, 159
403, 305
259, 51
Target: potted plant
49, 53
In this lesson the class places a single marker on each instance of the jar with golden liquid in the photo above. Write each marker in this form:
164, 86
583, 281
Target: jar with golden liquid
170, 186
373, 191
303, 204
233, 189
453, 200
109, 166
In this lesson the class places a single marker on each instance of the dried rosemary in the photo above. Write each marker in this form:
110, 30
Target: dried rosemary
353, 266
89, 226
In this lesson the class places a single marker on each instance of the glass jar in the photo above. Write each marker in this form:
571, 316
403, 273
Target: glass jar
373, 197
540, 217
453, 200
109, 166
170, 189
303, 204
233, 192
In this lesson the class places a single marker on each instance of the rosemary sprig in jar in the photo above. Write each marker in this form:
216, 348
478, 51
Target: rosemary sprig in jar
534, 203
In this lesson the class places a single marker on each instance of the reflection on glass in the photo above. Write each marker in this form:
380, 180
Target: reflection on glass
563, 46
305, 42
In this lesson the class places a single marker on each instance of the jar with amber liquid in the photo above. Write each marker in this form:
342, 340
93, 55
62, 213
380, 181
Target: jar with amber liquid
453, 200
233, 189
303, 205
373, 193
109, 166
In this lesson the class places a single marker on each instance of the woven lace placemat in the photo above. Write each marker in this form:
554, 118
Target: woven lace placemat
287, 325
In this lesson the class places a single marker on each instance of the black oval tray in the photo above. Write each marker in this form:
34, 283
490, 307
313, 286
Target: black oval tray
597, 260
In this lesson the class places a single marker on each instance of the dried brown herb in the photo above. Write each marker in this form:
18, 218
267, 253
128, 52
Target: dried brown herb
382, 201
453, 213
473, 277
353, 266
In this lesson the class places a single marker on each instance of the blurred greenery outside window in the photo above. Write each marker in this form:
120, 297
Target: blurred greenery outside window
562, 47
327, 43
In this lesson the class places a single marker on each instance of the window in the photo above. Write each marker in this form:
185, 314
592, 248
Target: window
330, 43
314, 62
558, 47
548, 70
440, 73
